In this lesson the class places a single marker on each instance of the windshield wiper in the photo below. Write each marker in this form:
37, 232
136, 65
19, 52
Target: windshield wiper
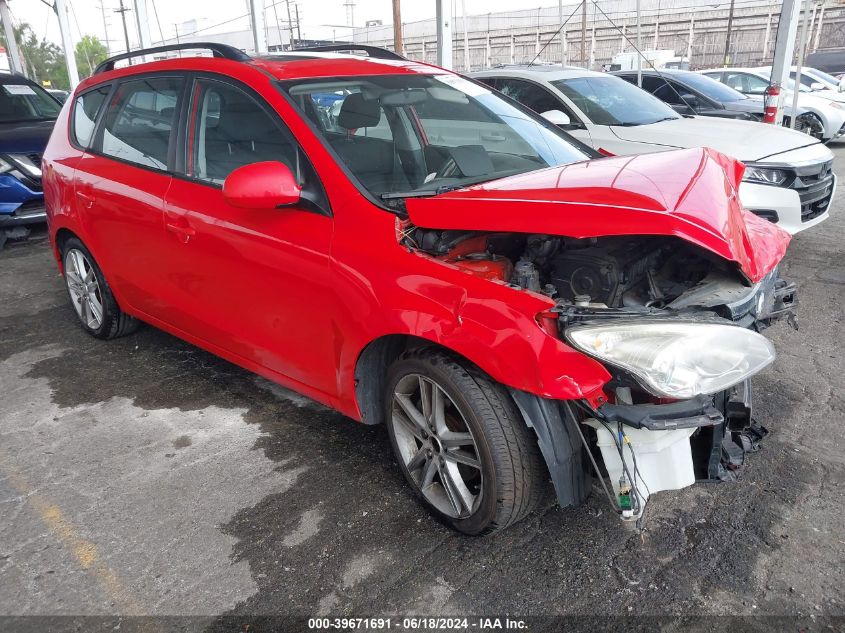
422, 193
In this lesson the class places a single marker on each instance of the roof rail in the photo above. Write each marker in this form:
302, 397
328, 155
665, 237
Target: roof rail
219, 50
373, 51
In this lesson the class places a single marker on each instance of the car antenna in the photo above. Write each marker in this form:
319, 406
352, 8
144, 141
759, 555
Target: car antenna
640, 53
555, 34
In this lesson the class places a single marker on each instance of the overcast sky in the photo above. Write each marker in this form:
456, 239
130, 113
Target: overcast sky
318, 18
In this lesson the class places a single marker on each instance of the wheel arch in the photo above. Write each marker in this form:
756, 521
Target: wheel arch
63, 234
372, 365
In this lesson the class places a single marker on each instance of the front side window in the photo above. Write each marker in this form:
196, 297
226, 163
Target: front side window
85, 110
139, 121
21, 102
229, 130
405, 135
612, 101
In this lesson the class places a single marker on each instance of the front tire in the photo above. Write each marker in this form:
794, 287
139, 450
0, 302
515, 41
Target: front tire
90, 295
810, 124
461, 443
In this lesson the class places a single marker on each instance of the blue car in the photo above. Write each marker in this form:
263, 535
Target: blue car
27, 115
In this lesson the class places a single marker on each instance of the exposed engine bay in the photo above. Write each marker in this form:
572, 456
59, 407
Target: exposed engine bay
648, 273
634, 277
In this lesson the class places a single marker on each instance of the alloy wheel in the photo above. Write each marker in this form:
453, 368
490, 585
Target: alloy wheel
437, 446
84, 289
810, 124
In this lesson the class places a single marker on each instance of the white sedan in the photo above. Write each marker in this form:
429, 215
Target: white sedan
824, 105
788, 179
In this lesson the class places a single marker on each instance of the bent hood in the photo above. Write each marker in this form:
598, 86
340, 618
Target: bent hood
746, 140
690, 194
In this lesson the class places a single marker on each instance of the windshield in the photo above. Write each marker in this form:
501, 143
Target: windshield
709, 87
823, 77
404, 135
26, 102
613, 101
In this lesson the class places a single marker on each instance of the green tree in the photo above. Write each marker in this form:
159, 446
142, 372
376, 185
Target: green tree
44, 60
89, 53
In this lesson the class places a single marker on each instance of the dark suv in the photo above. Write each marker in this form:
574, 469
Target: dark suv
27, 115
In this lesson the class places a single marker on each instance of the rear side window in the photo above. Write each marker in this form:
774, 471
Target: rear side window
139, 121
85, 110
531, 95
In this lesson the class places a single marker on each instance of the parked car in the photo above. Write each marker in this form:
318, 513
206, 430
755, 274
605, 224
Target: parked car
691, 93
827, 114
27, 115
830, 81
788, 177
60, 95
441, 260
819, 83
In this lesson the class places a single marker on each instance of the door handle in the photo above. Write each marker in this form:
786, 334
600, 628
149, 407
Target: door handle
87, 200
182, 230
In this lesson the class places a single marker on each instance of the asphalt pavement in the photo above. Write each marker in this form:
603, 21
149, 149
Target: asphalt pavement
143, 476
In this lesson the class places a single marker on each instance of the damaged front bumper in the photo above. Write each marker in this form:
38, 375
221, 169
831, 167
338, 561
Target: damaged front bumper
652, 444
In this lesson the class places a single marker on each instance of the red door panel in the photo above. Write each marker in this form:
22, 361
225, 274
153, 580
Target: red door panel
252, 281
121, 208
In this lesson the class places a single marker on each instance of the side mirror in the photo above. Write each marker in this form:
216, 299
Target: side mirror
842, 85
817, 86
266, 185
556, 116
690, 100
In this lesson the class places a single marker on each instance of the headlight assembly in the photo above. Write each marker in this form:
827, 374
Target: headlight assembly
765, 175
677, 359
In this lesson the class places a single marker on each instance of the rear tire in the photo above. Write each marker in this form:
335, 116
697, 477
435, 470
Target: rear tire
90, 295
470, 458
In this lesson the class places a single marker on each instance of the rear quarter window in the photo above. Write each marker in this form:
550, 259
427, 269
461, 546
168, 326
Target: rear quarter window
86, 108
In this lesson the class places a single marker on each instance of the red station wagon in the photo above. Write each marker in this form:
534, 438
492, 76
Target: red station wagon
409, 247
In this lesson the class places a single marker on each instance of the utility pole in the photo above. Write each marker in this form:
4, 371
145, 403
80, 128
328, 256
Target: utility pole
466, 36
656, 25
728, 37
290, 24
691, 36
639, 47
562, 34
122, 11
298, 31
398, 45
67, 43
583, 31
444, 34
11, 42
259, 34
784, 47
105, 26
802, 43
145, 41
